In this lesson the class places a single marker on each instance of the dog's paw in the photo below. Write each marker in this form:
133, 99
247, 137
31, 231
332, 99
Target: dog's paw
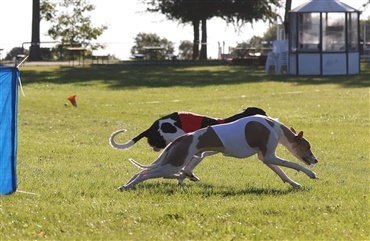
313, 176
191, 176
180, 182
194, 179
122, 188
296, 185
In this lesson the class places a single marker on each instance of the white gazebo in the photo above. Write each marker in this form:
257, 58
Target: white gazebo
324, 39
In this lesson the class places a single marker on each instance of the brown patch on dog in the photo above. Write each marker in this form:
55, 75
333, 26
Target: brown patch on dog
257, 135
288, 133
210, 141
178, 151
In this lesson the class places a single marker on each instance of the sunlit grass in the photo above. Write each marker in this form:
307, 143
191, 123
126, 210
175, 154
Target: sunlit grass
65, 160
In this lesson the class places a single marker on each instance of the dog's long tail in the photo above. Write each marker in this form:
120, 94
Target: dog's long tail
127, 145
152, 166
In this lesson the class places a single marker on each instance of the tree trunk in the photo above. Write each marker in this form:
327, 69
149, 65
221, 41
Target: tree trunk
35, 51
288, 6
196, 39
203, 48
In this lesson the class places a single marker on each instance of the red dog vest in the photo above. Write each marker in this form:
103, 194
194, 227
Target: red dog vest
191, 122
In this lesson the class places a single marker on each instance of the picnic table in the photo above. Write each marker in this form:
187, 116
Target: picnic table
80, 53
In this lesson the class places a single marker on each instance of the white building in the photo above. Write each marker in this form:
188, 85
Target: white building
324, 39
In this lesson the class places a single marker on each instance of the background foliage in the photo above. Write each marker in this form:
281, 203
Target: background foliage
143, 40
71, 23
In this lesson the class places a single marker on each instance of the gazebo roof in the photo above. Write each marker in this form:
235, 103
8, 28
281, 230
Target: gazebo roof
323, 6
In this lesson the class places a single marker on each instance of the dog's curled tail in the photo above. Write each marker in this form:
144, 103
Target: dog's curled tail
152, 166
119, 146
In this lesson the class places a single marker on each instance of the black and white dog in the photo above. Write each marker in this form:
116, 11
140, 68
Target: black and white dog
168, 128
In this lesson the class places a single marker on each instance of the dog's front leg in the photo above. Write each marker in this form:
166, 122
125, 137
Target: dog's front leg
274, 160
283, 176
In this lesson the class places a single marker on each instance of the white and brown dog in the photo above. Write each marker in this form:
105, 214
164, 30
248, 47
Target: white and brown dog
241, 139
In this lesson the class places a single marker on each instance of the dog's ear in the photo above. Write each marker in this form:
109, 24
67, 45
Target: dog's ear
300, 134
292, 129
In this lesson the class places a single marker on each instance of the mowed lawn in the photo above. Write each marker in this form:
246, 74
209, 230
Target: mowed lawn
68, 173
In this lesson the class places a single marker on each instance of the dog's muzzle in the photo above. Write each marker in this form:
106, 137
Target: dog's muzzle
308, 162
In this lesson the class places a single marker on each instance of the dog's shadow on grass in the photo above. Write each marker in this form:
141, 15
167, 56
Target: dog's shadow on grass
209, 190
226, 191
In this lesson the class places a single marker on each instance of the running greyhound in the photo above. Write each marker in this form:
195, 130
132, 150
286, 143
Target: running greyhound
241, 139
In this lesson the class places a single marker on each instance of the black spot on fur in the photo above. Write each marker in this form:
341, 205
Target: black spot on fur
254, 111
168, 128
174, 116
156, 140
250, 111
206, 121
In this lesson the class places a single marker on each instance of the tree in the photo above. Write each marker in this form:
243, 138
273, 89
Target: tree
35, 52
240, 12
178, 10
187, 11
14, 52
143, 42
366, 4
270, 34
237, 12
186, 49
47, 10
203, 47
243, 49
72, 25
257, 42
288, 6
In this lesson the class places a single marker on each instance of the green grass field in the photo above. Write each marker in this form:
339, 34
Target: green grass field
68, 173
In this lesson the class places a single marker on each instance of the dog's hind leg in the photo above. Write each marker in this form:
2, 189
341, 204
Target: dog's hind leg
187, 173
208, 144
182, 176
121, 188
171, 161
283, 176
135, 179
162, 171
187, 170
